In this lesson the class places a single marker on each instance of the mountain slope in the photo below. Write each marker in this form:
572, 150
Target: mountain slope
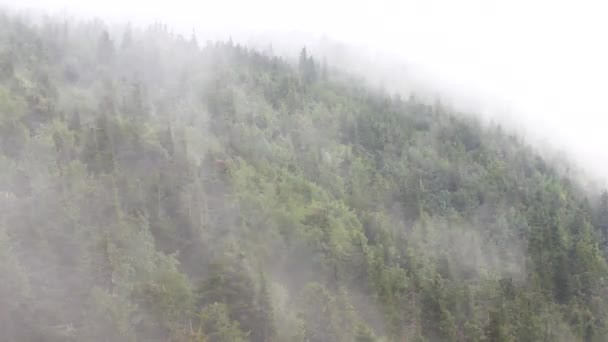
154, 190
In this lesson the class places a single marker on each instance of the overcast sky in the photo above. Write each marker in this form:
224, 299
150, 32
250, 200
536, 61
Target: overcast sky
547, 60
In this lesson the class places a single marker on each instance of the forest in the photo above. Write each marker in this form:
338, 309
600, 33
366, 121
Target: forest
158, 188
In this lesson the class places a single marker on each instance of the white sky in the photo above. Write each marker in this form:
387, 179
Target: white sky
548, 60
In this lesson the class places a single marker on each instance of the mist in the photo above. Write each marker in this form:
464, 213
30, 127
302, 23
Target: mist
538, 67
310, 171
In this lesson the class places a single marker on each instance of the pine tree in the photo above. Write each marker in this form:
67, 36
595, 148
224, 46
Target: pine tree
127, 38
217, 325
228, 283
324, 75
105, 47
266, 330
166, 141
602, 217
307, 67
303, 62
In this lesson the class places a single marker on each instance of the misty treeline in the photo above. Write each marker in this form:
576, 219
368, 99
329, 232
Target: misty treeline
157, 188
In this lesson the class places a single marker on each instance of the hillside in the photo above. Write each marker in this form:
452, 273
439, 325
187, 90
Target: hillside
156, 188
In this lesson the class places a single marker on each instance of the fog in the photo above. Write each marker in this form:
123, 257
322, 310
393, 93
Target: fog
540, 65
180, 184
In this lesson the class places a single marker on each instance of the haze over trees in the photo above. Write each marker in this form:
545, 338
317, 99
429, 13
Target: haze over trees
156, 188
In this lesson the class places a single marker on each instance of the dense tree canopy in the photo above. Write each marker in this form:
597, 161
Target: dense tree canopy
155, 190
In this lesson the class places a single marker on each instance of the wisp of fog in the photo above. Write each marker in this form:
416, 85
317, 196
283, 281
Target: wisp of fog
539, 65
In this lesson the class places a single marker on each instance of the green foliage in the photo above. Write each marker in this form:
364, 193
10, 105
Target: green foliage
152, 190
217, 325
